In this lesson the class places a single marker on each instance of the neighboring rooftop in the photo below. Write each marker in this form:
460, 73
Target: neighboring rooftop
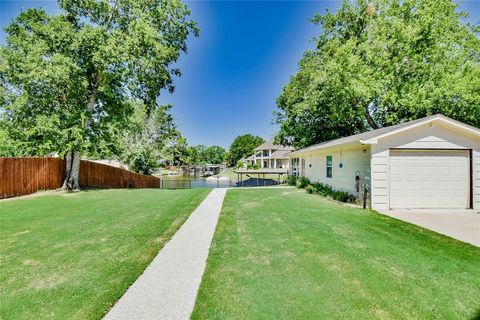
280, 154
373, 134
270, 145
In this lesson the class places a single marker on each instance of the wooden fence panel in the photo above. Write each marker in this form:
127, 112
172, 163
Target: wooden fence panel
21, 176
97, 175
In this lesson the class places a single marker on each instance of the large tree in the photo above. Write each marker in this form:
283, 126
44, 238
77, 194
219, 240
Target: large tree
242, 146
143, 143
379, 63
70, 82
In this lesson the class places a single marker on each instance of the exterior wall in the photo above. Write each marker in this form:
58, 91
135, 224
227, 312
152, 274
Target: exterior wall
355, 161
476, 178
437, 136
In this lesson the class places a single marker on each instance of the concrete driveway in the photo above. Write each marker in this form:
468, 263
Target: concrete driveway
463, 225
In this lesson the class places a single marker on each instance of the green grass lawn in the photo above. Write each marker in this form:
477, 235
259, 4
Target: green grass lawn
72, 256
285, 254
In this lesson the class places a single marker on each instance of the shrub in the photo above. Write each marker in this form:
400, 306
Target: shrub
256, 166
302, 182
327, 191
249, 166
311, 189
291, 180
240, 164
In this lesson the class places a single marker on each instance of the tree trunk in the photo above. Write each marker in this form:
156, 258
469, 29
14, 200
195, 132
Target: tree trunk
72, 172
370, 120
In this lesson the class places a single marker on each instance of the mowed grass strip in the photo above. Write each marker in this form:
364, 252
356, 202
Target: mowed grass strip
285, 254
72, 256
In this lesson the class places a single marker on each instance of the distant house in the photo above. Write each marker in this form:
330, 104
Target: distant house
433, 162
113, 163
271, 156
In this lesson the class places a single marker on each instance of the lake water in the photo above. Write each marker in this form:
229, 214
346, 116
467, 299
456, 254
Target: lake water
197, 181
193, 181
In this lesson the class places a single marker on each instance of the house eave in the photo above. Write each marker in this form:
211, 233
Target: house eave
352, 144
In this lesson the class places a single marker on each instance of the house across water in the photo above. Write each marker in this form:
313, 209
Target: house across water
270, 156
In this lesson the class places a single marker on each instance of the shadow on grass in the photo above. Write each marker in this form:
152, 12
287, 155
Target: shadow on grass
476, 316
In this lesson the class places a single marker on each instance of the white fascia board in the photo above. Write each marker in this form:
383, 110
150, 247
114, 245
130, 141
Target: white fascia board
447, 121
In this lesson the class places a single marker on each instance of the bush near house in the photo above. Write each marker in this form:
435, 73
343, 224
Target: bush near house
320, 188
302, 183
327, 191
255, 166
292, 180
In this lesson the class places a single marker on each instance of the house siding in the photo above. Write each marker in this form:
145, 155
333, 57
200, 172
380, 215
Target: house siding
426, 136
476, 178
353, 160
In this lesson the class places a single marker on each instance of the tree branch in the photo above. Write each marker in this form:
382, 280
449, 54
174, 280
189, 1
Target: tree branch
369, 118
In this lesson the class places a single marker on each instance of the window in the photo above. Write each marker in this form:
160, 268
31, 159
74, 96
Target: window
329, 166
295, 167
266, 153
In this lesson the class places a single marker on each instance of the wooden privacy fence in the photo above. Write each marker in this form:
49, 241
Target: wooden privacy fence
97, 175
21, 176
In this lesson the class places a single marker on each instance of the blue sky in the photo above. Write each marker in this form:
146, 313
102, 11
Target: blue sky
233, 73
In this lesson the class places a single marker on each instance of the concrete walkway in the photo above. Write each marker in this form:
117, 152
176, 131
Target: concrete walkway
463, 225
167, 289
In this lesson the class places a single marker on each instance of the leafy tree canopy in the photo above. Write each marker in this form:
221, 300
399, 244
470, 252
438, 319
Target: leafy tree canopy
143, 143
70, 82
242, 146
382, 62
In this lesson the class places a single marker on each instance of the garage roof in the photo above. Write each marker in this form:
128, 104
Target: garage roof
370, 137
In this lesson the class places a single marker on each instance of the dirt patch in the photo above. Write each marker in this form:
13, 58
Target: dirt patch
30, 262
250, 205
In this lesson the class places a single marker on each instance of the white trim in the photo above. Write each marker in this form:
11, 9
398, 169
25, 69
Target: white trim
414, 125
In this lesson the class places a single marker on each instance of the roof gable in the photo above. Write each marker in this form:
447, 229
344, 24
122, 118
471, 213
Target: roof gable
371, 137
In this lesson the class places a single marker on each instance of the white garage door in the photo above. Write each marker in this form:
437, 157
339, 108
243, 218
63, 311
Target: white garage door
429, 179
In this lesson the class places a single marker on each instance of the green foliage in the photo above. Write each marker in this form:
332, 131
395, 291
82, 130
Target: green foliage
242, 146
214, 155
72, 81
143, 144
255, 166
292, 180
302, 182
177, 152
310, 189
205, 155
249, 166
240, 165
379, 63
327, 191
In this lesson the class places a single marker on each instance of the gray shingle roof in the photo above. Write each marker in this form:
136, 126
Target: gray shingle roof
270, 145
378, 132
280, 154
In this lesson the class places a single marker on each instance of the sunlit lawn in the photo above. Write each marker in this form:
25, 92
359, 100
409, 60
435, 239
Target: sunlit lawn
72, 256
285, 254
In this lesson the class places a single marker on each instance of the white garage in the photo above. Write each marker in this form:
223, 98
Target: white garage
429, 178
429, 163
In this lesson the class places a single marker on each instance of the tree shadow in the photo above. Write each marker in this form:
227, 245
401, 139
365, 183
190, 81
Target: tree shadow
476, 316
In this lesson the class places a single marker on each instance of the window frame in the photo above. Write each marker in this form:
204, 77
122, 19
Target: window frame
327, 166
